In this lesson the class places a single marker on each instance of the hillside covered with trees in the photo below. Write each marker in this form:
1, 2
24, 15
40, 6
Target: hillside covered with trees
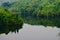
37, 8
27, 9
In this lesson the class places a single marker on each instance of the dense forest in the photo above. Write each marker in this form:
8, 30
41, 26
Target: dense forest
46, 9
8, 18
37, 8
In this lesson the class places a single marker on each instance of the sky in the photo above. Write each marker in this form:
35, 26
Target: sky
1, 1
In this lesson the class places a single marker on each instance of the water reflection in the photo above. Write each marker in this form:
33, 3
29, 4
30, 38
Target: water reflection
46, 22
32, 32
11, 28
53, 22
59, 34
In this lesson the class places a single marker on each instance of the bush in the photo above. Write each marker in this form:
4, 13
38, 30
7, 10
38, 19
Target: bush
8, 18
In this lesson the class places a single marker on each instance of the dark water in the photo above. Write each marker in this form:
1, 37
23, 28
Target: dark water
5, 29
32, 32
43, 21
32, 29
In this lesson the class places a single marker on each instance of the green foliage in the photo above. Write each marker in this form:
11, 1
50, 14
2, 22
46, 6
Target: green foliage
8, 18
37, 7
33, 9
53, 22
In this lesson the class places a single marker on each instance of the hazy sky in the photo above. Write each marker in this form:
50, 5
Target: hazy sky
1, 1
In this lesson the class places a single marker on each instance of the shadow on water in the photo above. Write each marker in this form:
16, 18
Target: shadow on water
53, 22
59, 34
46, 22
9, 28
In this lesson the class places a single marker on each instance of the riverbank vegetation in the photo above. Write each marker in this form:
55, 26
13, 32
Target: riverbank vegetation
8, 18
52, 22
45, 9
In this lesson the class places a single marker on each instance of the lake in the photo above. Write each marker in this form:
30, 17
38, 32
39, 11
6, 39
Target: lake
34, 27
33, 32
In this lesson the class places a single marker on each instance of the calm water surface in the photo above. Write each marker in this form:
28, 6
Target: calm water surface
33, 32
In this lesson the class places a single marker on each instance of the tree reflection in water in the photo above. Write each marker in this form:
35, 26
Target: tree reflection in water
53, 22
9, 28
46, 22
59, 34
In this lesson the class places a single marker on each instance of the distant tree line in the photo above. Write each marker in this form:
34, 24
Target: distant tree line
35, 8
